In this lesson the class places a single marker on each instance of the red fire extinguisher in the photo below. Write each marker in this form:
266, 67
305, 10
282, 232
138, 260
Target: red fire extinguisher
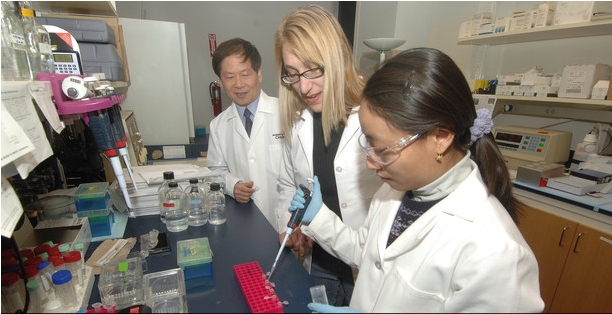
215, 97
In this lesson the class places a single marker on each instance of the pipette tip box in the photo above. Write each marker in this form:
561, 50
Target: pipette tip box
194, 257
256, 289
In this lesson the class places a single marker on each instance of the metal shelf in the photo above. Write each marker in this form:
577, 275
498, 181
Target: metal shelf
593, 28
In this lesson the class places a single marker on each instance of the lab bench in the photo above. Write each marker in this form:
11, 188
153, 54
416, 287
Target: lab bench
246, 237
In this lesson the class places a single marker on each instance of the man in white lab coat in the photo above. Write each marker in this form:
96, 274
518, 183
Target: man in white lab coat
249, 158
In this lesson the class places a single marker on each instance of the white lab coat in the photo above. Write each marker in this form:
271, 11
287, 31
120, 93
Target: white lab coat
465, 254
256, 158
356, 183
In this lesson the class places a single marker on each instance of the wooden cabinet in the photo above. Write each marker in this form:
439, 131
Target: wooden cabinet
574, 256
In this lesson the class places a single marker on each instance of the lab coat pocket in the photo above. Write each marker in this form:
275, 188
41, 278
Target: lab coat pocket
399, 293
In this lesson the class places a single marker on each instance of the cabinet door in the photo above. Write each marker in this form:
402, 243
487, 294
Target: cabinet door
550, 238
586, 283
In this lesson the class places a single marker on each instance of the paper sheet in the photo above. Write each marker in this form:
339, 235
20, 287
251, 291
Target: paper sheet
18, 102
41, 92
11, 209
15, 143
103, 249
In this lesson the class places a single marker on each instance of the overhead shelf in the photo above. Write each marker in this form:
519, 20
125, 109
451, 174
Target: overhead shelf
593, 28
594, 104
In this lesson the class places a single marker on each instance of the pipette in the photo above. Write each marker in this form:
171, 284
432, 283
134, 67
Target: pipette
294, 222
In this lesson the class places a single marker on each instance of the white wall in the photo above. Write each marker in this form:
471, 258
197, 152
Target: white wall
436, 24
421, 23
255, 21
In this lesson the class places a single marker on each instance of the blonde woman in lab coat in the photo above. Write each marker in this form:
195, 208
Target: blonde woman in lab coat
250, 163
319, 99
441, 233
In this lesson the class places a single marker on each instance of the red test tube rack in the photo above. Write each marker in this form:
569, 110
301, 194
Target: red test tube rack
256, 289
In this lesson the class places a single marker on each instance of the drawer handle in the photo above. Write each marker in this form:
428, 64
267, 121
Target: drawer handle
577, 240
562, 235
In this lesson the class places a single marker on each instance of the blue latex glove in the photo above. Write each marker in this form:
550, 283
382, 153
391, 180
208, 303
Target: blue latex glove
316, 202
325, 308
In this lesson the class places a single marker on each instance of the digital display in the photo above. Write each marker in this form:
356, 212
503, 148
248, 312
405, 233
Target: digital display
508, 137
63, 57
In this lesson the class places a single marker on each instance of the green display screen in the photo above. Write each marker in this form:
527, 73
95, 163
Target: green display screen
63, 57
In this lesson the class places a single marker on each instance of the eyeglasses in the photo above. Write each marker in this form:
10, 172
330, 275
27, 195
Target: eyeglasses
388, 154
309, 74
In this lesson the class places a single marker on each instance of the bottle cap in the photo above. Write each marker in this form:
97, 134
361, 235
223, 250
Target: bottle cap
64, 247
77, 245
173, 184
32, 285
72, 256
193, 180
215, 186
43, 265
61, 277
9, 279
168, 175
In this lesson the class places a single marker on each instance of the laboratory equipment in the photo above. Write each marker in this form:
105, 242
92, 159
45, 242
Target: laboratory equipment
215, 204
175, 208
194, 257
257, 290
120, 282
165, 291
64, 288
94, 112
383, 44
294, 222
319, 294
196, 207
522, 145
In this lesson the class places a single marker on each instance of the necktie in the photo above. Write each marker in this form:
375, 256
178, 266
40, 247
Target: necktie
248, 123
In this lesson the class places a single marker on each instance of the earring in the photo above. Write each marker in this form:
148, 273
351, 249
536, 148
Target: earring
439, 157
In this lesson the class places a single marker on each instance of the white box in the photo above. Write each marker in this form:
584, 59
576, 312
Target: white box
56, 230
578, 80
545, 15
502, 24
568, 12
518, 20
600, 90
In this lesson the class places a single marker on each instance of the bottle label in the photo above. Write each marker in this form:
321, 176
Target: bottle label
195, 202
170, 205
27, 12
18, 40
44, 48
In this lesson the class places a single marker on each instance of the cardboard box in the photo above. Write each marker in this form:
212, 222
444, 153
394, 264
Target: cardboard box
577, 81
609, 97
568, 12
537, 174
58, 230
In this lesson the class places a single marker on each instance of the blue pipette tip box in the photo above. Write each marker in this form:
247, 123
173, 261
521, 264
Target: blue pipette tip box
194, 257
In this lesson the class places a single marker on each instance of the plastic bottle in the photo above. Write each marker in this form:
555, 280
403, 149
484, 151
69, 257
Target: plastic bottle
168, 176
47, 64
196, 199
46, 270
62, 279
21, 61
8, 58
72, 262
79, 246
174, 203
11, 297
38, 297
215, 204
31, 36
